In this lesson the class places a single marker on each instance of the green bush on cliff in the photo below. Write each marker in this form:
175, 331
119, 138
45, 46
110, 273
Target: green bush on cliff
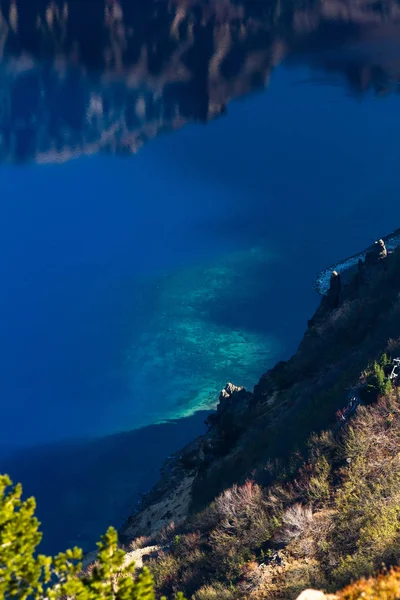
25, 574
377, 384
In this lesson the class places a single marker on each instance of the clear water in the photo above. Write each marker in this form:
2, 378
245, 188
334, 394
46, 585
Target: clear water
135, 287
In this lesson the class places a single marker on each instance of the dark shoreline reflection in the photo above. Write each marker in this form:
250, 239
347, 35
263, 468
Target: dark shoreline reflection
82, 487
92, 76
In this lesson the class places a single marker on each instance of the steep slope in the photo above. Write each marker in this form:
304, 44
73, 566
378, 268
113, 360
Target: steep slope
296, 484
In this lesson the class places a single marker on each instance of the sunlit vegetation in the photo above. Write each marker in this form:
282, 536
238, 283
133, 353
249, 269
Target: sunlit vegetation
295, 499
25, 574
284, 509
377, 382
386, 586
235, 529
335, 521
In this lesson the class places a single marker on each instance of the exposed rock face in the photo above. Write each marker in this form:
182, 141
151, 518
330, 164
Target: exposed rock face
335, 289
311, 595
138, 556
171, 507
377, 253
227, 423
375, 257
246, 429
230, 399
102, 75
359, 263
170, 501
227, 393
330, 300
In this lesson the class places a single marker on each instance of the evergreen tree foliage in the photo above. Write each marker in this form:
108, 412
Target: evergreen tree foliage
377, 384
25, 574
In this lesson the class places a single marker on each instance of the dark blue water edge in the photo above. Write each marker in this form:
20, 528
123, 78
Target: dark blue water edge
83, 486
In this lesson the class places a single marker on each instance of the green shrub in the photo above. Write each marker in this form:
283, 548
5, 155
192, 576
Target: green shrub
245, 523
24, 574
377, 384
365, 529
385, 361
215, 592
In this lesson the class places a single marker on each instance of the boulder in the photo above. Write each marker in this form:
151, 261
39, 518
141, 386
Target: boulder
377, 253
229, 393
315, 595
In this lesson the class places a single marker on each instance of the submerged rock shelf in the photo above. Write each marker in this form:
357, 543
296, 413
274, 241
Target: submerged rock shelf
207, 322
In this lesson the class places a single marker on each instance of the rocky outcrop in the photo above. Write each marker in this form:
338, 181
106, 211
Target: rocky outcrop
172, 507
315, 595
138, 556
359, 263
330, 300
226, 422
170, 501
377, 253
335, 289
295, 397
357, 272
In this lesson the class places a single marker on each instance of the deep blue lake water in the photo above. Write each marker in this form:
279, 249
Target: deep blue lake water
134, 287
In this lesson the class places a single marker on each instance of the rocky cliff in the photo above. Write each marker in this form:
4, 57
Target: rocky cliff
261, 497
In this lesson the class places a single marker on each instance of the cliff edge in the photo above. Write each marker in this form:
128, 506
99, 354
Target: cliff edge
277, 496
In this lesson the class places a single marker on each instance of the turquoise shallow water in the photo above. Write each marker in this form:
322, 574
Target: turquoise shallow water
202, 332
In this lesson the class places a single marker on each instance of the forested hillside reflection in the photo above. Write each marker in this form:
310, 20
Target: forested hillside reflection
87, 76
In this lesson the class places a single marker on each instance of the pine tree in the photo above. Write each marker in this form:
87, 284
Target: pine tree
24, 574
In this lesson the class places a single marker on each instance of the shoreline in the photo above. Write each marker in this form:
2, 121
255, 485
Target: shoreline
321, 284
83, 486
186, 475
